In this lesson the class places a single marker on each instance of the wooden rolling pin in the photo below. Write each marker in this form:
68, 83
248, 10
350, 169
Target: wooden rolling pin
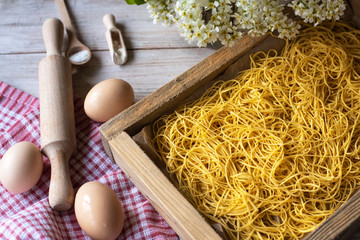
57, 122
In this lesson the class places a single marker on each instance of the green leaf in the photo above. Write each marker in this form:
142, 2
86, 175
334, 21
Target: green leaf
130, 1
137, 2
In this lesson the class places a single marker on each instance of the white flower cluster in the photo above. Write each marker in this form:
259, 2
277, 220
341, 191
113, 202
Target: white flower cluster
207, 21
317, 11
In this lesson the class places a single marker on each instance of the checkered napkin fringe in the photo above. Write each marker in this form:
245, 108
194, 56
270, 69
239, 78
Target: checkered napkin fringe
29, 216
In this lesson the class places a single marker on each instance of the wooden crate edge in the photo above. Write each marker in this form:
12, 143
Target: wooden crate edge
161, 193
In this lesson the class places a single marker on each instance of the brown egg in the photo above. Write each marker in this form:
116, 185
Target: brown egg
108, 98
21, 167
99, 211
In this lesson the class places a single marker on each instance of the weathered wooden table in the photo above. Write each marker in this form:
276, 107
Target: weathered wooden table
157, 54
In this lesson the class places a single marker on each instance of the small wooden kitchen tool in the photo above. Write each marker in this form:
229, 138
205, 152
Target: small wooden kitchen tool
77, 52
115, 40
57, 121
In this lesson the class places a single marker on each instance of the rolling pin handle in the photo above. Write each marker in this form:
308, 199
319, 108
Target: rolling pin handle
61, 192
53, 34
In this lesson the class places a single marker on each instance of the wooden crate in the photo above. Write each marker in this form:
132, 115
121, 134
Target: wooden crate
125, 141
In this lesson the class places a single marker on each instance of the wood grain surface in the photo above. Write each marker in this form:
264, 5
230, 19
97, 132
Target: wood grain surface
157, 54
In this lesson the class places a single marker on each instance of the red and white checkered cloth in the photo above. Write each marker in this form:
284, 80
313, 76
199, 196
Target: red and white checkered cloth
29, 216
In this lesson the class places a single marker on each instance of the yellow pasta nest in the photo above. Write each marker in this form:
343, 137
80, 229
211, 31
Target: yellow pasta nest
274, 152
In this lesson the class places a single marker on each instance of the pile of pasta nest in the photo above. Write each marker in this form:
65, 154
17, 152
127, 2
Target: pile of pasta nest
274, 152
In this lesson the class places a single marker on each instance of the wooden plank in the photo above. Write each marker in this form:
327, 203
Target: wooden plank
163, 196
146, 70
22, 21
144, 112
